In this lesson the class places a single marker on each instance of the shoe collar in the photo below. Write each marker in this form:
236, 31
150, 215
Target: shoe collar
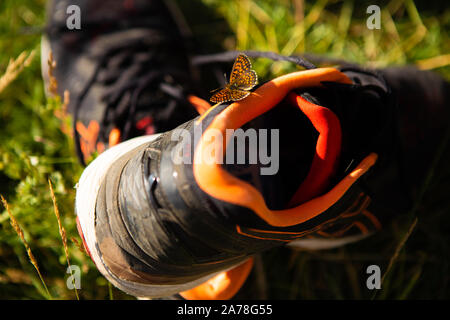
218, 183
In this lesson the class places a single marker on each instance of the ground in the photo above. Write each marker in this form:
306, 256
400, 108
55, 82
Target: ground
34, 150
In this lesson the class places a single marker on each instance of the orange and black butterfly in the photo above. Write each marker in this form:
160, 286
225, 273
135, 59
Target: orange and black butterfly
242, 79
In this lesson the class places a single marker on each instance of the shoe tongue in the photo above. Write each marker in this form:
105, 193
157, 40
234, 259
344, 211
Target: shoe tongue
297, 151
327, 151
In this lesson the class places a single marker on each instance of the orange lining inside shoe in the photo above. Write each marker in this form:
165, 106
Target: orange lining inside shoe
328, 148
218, 183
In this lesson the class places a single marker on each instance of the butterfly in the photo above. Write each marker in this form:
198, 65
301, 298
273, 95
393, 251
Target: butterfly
242, 79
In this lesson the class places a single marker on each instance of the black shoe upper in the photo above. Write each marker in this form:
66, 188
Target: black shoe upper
127, 62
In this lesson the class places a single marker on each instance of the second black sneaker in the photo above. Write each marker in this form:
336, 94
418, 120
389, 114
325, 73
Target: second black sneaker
127, 69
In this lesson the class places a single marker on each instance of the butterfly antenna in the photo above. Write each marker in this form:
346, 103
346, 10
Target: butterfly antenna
225, 76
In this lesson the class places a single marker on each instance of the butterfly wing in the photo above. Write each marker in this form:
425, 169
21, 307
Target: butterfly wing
237, 95
242, 78
223, 95
247, 80
227, 94
241, 65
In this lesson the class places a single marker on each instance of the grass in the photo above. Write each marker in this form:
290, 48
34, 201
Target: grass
35, 151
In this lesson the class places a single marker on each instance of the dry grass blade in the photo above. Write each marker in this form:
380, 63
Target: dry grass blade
79, 245
399, 248
15, 67
19, 232
110, 292
63, 115
261, 278
62, 232
53, 83
433, 63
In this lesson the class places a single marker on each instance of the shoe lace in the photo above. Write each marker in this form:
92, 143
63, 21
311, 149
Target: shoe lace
231, 55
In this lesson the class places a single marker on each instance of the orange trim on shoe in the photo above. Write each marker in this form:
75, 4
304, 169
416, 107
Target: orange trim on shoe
114, 137
100, 147
372, 218
199, 104
88, 137
222, 286
218, 183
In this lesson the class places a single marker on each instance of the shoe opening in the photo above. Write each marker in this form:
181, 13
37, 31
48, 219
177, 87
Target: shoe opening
213, 179
303, 151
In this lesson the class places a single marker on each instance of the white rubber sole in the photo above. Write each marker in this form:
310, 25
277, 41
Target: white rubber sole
85, 203
324, 244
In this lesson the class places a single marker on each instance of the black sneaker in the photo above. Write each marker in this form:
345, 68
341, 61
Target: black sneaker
326, 156
127, 69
